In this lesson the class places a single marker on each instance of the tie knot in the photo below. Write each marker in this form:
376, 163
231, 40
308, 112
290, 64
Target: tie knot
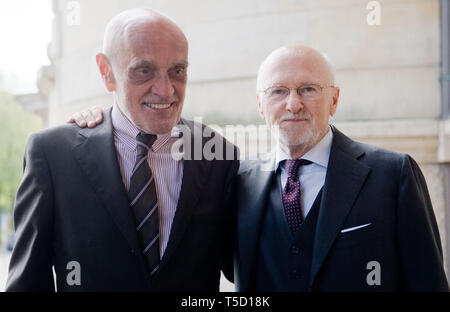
292, 166
144, 142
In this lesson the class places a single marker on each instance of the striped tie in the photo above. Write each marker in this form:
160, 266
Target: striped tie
144, 203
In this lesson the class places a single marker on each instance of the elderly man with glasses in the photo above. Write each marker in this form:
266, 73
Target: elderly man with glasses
323, 212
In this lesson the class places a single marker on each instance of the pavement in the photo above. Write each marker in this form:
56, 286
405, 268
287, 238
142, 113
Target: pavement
4, 263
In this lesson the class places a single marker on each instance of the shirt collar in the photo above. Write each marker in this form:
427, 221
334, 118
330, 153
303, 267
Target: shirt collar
319, 154
126, 131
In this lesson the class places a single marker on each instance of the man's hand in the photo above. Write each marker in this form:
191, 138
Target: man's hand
90, 117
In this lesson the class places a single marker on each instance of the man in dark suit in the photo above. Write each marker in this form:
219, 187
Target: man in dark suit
323, 212
110, 208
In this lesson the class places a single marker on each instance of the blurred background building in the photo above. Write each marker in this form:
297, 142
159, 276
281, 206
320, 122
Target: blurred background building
391, 58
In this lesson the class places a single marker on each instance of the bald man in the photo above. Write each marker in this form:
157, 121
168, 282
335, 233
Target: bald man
109, 208
323, 212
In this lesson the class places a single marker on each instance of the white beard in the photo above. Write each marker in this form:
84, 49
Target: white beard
298, 141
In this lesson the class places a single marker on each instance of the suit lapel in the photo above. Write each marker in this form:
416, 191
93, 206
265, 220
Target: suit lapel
254, 187
345, 177
195, 173
96, 154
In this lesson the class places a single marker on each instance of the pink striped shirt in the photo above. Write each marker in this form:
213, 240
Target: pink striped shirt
168, 172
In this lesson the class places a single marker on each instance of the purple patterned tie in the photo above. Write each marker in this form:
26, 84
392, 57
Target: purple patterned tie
292, 195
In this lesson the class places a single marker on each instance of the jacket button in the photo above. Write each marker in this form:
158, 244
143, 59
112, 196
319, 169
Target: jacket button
296, 274
295, 250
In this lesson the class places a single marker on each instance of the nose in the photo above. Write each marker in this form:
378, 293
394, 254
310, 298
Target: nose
163, 87
294, 102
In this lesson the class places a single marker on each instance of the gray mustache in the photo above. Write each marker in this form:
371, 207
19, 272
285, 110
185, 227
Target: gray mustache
303, 116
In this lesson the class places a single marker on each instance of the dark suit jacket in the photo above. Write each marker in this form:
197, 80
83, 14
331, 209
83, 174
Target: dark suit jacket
364, 184
72, 206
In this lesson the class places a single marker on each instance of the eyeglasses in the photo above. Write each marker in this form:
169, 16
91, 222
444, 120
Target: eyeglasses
308, 92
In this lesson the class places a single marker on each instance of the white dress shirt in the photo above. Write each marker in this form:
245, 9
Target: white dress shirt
312, 177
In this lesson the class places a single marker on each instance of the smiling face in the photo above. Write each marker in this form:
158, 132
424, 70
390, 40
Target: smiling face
301, 122
148, 72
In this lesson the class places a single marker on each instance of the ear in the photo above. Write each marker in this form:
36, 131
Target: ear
334, 102
260, 108
106, 71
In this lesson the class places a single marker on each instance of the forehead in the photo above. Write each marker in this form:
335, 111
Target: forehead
292, 69
157, 43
